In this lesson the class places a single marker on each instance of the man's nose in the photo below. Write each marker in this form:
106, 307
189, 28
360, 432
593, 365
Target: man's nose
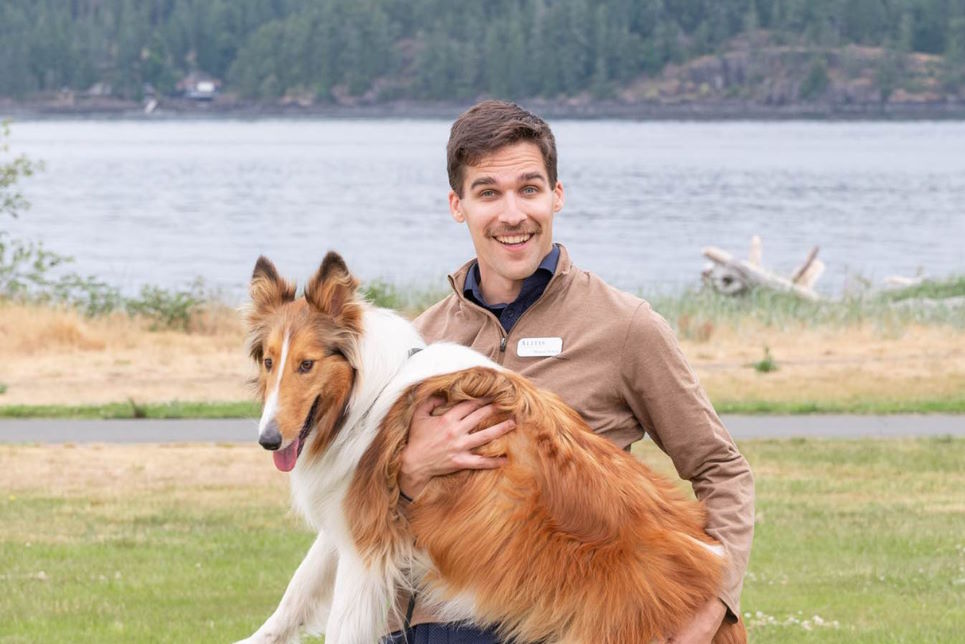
512, 213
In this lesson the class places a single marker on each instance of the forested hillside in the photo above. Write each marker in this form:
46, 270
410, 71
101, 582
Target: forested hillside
382, 50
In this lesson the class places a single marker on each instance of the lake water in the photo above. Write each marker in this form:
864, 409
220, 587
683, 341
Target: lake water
162, 202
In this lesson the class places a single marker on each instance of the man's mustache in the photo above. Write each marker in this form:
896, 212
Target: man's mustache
519, 230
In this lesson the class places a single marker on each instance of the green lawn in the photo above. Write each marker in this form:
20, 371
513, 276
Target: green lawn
867, 535
239, 409
249, 409
857, 541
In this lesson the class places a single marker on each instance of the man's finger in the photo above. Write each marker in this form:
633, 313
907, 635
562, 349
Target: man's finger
425, 407
464, 409
476, 462
471, 421
483, 436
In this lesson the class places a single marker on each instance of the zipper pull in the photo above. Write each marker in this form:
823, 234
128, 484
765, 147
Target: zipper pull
502, 344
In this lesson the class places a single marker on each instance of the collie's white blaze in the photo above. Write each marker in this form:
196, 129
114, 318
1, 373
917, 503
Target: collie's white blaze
271, 403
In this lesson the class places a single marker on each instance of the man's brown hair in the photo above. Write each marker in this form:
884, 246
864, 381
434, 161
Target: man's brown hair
487, 126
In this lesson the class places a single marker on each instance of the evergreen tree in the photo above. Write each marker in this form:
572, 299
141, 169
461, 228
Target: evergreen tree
954, 71
429, 48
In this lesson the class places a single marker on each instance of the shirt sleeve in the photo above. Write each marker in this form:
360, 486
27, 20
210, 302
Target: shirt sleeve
664, 394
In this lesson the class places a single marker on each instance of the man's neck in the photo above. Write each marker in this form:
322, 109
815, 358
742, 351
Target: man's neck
498, 290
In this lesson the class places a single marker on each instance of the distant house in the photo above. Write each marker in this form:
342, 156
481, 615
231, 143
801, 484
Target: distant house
198, 86
99, 89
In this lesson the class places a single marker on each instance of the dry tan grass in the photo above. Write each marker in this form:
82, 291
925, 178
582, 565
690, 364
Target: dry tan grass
54, 356
831, 364
121, 471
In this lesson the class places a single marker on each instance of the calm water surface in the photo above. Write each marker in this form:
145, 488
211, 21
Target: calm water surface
164, 202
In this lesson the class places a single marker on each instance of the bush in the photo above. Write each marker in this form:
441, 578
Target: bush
11, 201
168, 309
816, 82
767, 364
27, 268
29, 272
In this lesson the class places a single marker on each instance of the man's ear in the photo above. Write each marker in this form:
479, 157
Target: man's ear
267, 289
559, 198
455, 207
332, 291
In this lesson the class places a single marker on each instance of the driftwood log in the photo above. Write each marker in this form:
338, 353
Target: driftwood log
732, 276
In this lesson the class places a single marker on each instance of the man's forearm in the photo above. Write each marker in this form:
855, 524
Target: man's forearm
727, 491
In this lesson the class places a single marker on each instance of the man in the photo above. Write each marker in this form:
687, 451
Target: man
605, 352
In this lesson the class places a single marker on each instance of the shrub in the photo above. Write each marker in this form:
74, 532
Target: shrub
766, 364
816, 82
166, 308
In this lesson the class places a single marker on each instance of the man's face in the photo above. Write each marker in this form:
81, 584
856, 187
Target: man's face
508, 205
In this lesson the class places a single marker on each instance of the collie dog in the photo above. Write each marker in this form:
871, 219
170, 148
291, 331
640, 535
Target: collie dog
571, 541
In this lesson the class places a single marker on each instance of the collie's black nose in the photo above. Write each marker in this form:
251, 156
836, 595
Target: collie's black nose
270, 437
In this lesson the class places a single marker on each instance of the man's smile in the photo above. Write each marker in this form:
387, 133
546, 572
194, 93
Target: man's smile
513, 240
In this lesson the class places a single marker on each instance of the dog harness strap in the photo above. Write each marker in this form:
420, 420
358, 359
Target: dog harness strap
407, 624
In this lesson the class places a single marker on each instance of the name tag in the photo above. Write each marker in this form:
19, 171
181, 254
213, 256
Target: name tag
539, 347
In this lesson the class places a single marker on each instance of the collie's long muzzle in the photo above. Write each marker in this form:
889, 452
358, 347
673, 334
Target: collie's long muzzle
271, 439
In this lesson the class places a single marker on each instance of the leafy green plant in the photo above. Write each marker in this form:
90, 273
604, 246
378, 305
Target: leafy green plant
765, 364
28, 273
929, 289
816, 82
383, 294
784, 310
28, 270
169, 309
11, 171
410, 301
137, 410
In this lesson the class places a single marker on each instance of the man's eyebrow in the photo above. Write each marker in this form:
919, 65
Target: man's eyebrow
523, 178
482, 181
531, 176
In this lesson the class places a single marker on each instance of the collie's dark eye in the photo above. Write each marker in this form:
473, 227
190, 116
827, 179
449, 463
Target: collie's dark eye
268, 364
306, 366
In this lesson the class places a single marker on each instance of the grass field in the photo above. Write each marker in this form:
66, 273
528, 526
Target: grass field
857, 541
250, 409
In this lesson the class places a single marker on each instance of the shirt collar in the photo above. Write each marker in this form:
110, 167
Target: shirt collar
472, 286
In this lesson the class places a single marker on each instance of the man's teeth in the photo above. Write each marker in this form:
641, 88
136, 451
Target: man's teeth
513, 239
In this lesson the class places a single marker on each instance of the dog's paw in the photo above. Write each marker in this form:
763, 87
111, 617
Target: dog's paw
267, 637
254, 639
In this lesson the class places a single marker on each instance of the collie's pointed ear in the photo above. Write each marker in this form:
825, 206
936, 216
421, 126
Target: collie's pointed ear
268, 290
332, 290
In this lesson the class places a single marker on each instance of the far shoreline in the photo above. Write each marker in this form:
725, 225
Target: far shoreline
232, 109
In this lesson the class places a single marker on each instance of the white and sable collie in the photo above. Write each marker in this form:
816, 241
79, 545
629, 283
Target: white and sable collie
571, 541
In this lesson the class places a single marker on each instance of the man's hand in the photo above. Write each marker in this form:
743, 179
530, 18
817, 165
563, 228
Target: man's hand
443, 444
703, 626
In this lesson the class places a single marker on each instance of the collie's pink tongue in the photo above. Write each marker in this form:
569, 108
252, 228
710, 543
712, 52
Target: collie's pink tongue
285, 458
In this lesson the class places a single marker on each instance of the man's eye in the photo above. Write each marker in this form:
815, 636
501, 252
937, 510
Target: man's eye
530, 190
485, 194
268, 364
306, 366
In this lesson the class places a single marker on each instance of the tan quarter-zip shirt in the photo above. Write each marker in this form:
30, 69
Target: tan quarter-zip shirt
621, 368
